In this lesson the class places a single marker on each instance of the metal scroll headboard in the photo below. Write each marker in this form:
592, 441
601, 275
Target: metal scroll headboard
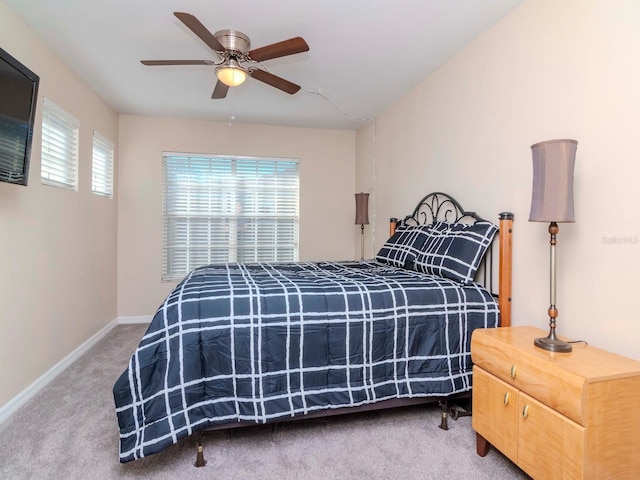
440, 207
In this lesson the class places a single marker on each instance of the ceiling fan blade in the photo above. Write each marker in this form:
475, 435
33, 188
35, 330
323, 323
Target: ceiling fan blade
200, 30
220, 91
280, 49
152, 63
274, 81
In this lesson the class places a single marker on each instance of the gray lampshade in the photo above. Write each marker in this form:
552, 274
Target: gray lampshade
552, 192
362, 209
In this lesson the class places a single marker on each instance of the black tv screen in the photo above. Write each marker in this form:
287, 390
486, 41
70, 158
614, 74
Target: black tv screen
18, 97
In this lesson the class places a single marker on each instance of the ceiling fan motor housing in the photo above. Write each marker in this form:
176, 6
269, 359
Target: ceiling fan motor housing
233, 40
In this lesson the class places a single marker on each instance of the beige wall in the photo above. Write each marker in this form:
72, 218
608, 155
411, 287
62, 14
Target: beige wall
57, 247
327, 178
550, 69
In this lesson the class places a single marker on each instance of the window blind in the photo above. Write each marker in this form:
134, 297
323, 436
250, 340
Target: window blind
102, 166
228, 209
12, 148
60, 132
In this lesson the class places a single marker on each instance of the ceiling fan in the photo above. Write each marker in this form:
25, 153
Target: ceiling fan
232, 47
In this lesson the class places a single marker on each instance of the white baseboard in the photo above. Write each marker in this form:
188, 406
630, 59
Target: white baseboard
135, 319
9, 408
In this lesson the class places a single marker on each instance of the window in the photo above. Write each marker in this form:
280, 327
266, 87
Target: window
60, 132
227, 209
102, 168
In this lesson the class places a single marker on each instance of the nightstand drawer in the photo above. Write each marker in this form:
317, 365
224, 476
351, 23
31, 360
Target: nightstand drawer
533, 371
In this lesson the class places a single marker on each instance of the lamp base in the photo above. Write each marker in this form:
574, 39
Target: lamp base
552, 344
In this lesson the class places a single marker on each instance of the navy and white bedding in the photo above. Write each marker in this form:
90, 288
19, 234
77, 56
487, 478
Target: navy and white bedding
258, 342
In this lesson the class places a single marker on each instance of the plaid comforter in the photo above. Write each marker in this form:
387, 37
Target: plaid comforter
256, 342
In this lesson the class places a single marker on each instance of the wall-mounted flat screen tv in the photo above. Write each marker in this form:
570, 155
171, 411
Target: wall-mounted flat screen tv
18, 97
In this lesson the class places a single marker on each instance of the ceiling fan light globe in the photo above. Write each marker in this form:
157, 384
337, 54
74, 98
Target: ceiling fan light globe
231, 76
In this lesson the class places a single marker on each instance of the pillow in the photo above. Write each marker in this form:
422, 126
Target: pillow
403, 246
455, 250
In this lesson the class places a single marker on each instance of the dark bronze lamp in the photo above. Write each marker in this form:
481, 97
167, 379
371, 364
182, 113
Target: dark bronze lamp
552, 201
362, 217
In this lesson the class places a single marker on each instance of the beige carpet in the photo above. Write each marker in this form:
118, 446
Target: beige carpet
69, 431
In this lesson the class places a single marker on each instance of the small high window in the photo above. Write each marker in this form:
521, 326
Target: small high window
60, 133
102, 167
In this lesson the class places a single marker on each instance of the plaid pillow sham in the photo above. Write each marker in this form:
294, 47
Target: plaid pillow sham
403, 246
454, 251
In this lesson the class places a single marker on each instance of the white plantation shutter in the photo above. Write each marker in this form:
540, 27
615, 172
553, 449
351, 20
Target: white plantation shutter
60, 132
228, 209
102, 168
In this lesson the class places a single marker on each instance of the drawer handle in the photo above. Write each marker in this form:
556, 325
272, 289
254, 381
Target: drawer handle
506, 399
514, 371
525, 411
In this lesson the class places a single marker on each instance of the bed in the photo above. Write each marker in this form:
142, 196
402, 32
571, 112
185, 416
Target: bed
246, 344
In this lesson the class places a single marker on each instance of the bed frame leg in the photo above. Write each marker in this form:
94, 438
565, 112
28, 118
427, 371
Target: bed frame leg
445, 409
455, 413
200, 461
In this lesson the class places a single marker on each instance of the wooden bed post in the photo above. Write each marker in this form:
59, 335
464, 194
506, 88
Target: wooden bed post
504, 290
393, 223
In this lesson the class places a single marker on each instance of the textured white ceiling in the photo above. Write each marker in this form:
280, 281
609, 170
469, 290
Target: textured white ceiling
364, 54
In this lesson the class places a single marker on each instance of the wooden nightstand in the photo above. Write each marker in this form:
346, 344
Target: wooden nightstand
556, 415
